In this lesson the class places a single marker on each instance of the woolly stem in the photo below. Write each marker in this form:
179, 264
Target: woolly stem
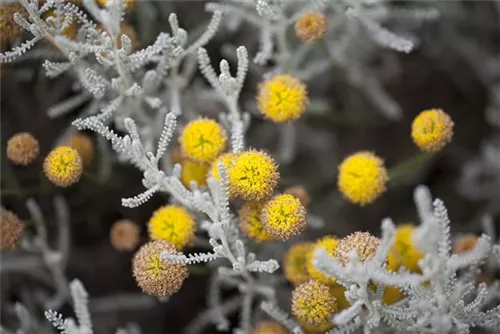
409, 165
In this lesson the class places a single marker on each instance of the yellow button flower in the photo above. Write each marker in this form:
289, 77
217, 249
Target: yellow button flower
329, 243
226, 159
295, 262
363, 243
251, 224
202, 140
313, 303
392, 295
152, 274
63, 166
173, 224
284, 216
311, 27
403, 252
22, 148
432, 129
253, 176
192, 171
362, 178
282, 98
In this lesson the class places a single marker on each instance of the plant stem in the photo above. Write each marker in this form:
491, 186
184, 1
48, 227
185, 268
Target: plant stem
410, 164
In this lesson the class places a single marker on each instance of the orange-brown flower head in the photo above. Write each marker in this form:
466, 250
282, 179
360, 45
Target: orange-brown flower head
153, 275
22, 148
9, 29
124, 235
269, 327
311, 27
301, 193
464, 243
364, 243
11, 230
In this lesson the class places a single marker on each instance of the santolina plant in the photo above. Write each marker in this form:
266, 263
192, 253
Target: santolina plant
231, 200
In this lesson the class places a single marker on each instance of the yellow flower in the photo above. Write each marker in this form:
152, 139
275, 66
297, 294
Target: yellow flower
295, 262
284, 216
362, 178
192, 171
392, 295
226, 159
311, 26
363, 243
329, 243
269, 327
63, 166
403, 252
282, 98
253, 176
22, 148
338, 292
202, 140
432, 129
251, 224
313, 303
83, 144
173, 224
316, 329
152, 274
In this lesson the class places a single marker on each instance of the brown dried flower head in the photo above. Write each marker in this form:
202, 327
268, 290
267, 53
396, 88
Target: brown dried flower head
11, 229
84, 145
269, 327
22, 148
124, 235
9, 29
364, 243
311, 27
301, 193
313, 303
152, 274
464, 243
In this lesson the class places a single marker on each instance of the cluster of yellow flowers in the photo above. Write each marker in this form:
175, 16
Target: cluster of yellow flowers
363, 176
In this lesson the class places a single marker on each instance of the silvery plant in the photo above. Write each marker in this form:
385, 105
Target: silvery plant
144, 94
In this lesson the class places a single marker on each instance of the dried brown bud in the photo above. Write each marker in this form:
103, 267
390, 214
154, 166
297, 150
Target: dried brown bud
11, 229
364, 243
465, 243
152, 274
311, 26
124, 235
22, 148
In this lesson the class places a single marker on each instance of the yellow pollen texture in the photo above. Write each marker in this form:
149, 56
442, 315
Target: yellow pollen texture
362, 178
432, 129
63, 166
173, 224
295, 262
253, 176
193, 172
284, 216
313, 303
282, 98
202, 140
403, 252
329, 243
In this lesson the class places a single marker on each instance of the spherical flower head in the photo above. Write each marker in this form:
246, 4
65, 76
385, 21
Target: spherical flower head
152, 274
251, 224
284, 216
362, 178
22, 148
392, 295
63, 166
124, 235
192, 171
253, 176
11, 230
202, 140
282, 98
84, 145
301, 193
295, 263
313, 303
315, 329
329, 244
403, 251
311, 26
464, 243
9, 29
269, 327
174, 224
432, 129
363, 243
